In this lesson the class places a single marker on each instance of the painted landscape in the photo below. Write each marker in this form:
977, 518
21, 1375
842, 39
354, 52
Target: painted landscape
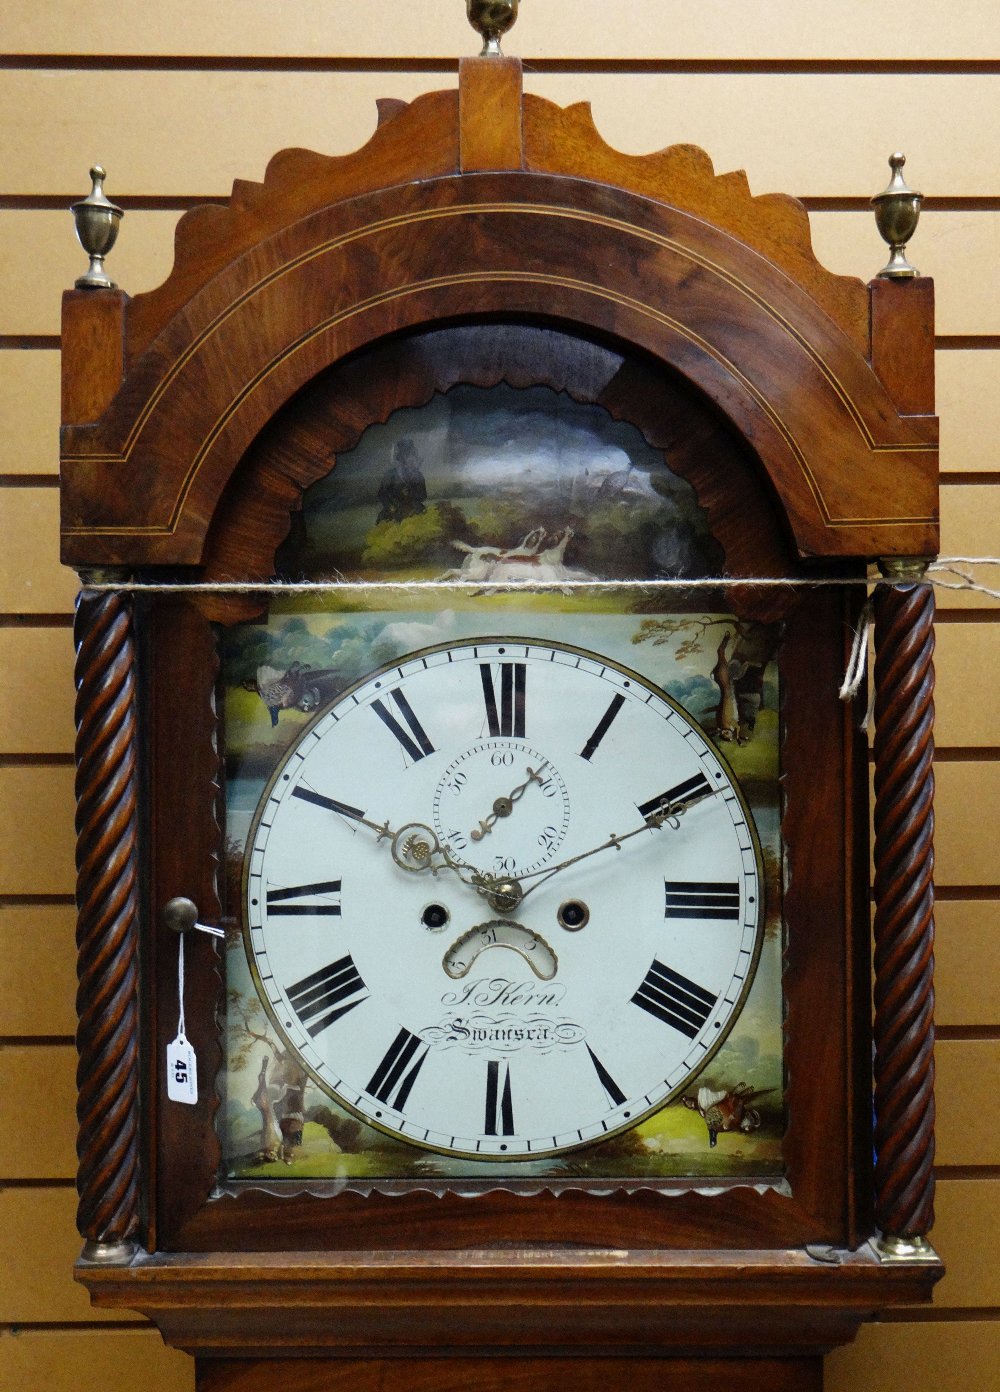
496, 486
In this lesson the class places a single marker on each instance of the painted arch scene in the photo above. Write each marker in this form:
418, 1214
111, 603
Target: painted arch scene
499, 485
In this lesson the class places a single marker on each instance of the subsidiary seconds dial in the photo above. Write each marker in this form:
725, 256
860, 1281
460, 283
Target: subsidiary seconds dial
504, 790
503, 898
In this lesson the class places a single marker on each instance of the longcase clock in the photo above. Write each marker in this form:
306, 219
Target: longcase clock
432, 651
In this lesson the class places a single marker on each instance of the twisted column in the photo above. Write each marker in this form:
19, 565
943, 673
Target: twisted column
904, 907
107, 923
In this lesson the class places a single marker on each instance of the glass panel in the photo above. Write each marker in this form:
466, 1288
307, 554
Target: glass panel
503, 828
497, 485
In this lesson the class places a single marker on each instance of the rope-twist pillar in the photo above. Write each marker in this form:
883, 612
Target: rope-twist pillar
904, 908
107, 924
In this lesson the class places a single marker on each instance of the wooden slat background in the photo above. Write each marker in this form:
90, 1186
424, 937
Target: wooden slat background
844, 122
853, 30
810, 100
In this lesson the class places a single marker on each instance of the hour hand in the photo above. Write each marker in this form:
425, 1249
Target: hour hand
345, 809
416, 848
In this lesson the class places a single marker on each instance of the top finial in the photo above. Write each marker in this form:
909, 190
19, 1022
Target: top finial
897, 210
491, 18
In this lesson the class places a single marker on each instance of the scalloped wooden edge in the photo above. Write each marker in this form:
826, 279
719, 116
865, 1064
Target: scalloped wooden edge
412, 141
421, 140
775, 225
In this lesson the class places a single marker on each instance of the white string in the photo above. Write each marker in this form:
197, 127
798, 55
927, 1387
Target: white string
870, 712
859, 654
853, 677
479, 587
965, 581
945, 564
965, 560
181, 1032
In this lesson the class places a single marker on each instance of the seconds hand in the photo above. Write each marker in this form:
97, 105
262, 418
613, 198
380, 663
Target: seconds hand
504, 806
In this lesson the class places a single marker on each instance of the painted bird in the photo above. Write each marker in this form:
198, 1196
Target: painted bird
726, 1111
299, 687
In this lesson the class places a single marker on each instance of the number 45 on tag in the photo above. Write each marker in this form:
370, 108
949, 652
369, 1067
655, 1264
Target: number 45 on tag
182, 1071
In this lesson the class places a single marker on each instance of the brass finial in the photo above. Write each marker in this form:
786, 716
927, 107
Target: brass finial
491, 18
97, 222
897, 210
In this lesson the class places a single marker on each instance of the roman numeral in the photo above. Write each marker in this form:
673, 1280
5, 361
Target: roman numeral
499, 1108
691, 788
394, 1077
675, 1000
331, 804
325, 995
615, 1094
276, 899
416, 743
508, 718
603, 726
702, 899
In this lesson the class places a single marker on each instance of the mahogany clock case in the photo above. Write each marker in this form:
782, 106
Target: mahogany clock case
485, 236
826, 1194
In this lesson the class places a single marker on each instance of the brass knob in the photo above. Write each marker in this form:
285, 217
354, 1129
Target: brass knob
492, 19
181, 916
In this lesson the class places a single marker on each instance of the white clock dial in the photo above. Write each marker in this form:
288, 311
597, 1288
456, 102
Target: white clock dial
503, 898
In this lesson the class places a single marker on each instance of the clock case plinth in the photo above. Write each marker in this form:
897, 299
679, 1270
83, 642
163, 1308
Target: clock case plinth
499, 217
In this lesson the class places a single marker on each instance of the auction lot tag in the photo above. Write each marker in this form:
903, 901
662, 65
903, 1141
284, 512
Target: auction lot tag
182, 1071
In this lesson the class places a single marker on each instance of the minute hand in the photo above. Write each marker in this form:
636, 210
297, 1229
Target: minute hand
665, 816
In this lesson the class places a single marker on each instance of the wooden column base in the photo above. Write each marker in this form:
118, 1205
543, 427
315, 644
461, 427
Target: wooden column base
511, 1374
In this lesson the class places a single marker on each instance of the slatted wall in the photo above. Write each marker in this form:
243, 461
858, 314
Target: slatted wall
179, 98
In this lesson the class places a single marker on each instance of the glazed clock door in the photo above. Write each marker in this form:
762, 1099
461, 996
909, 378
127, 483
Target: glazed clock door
517, 868
446, 661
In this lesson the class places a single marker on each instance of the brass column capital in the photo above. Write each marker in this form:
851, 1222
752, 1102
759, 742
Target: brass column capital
904, 568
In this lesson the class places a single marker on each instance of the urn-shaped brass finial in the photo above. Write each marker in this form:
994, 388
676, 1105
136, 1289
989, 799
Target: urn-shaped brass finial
897, 210
97, 222
491, 18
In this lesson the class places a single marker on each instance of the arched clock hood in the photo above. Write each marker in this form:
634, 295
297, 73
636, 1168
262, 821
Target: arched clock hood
490, 202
